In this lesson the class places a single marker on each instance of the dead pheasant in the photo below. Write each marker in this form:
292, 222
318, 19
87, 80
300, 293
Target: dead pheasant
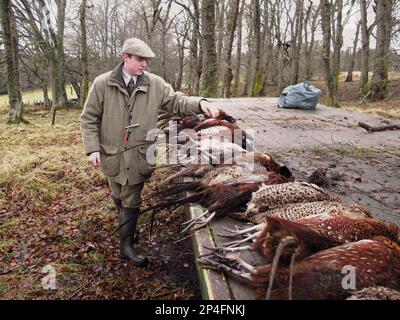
268, 197
221, 198
300, 210
309, 235
283, 239
272, 195
246, 159
190, 122
209, 151
376, 262
292, 212
216, 175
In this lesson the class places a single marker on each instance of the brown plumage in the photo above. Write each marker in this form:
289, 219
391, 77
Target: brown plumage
190, 122
245, 159
309, 212
265, 160
209, 123
294, 211
319, 276
222, 198
316, 233
272, 196
218, 174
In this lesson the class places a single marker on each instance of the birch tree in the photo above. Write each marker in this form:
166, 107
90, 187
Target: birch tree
209, 78
10, 38
383, 36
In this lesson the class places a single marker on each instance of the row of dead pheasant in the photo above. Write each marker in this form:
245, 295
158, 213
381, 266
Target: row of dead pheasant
306, 236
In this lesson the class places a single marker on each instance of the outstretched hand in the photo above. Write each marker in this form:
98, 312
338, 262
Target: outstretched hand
94, 159
209, 110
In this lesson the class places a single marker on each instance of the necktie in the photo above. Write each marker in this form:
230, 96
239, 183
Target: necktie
131, 86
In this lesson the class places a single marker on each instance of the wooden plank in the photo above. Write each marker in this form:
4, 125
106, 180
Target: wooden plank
214, 285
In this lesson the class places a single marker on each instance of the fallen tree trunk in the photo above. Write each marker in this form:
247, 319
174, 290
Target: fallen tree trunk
376, 129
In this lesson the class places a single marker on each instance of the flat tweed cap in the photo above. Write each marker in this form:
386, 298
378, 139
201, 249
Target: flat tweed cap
138, 48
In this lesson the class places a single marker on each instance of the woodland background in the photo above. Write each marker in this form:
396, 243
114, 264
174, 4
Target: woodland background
211, 48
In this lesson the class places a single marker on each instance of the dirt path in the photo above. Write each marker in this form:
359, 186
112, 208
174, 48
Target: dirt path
363, 167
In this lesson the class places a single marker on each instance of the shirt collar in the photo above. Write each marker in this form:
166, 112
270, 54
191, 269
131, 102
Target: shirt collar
127, 77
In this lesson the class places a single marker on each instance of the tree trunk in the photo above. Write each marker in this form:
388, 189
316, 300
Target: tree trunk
84, 86
353, 56
257, 82
61, 94
337, 47
231, 27
199, 43
165, 23
10, 38
193, 61
309, 45
181, 56
238, 52
249, 64
365, 48
268, 21
297, 41
47, 101
220, 18
383, 34
326, 51
181, 39
209, 79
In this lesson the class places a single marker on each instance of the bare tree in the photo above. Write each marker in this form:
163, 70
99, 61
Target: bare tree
256, 81
337, 48
365, 37
250, 54
283, 46
313, 15
181, 32
10, 38
238, 52
209, 79
383, 35
296, 43
196, 47
231, 27
220, 21
84, 85
166, 24
349, 77
35, 17
326, 47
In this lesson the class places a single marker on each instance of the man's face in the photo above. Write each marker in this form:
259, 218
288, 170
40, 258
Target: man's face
134, 65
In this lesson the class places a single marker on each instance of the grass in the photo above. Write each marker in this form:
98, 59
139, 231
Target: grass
345, 150
388, 109
55, 209
36, 95
45, 185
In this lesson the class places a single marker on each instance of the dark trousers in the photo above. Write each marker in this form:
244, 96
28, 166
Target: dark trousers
130, 195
